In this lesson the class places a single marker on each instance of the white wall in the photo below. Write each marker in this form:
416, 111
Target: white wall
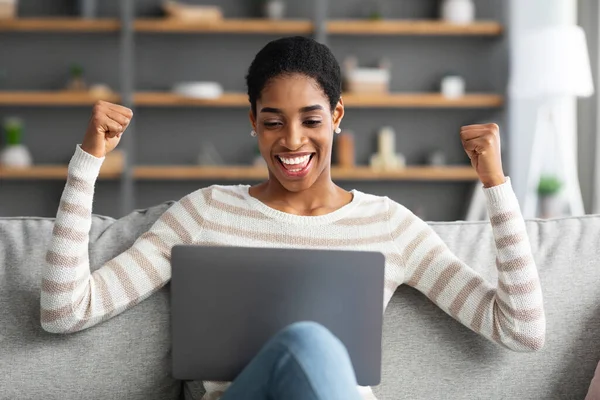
525, 15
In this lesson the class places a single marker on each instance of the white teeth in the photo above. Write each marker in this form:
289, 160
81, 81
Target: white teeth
297, 160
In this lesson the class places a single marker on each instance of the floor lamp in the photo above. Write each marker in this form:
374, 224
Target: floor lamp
552, 64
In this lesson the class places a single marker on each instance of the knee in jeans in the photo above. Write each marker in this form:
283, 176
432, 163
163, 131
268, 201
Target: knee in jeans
312, 336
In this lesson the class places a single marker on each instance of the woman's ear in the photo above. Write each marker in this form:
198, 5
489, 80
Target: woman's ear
252, 118
338, 113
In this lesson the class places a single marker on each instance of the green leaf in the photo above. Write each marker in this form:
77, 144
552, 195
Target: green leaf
13, 128
549, 184
76, 70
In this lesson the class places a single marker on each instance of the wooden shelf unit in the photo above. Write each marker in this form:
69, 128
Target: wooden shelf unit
251, 26
412, 27
451, 173
59, 25
50, 98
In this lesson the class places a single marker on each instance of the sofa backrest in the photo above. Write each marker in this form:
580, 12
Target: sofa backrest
427, 354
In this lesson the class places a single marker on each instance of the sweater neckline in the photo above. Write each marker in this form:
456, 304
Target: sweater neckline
328, 218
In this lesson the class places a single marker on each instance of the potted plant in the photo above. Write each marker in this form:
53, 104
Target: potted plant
375, 10
548, 191
15, 154
76, 82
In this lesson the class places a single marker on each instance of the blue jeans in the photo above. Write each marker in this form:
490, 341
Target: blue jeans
304, 361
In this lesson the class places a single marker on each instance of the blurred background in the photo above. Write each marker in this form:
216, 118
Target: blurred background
415, 71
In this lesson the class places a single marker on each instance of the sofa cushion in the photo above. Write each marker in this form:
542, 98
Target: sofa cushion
127, 357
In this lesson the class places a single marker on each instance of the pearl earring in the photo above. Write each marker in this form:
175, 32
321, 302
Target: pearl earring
253, 133
338, 130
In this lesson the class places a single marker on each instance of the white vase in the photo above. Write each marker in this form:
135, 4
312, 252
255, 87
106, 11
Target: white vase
458, 11
453, 87
16, 155
275, 9
551, 206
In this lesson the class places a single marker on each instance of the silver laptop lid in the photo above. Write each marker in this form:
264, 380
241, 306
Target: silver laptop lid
227, 302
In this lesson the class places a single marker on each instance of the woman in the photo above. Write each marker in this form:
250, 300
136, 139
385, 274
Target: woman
294, 87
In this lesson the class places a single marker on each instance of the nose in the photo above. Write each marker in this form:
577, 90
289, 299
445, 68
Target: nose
293, 137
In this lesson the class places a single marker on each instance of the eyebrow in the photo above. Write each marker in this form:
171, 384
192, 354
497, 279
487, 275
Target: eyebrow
302, 110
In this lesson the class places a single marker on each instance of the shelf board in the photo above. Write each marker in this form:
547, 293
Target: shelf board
48, 172
59, 25
261, 26
422, 100
257, 26
458, 173
392, 100
175, 172
167, 99
412, 27
50, 98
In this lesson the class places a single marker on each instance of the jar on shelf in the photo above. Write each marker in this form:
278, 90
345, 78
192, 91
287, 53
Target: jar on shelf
8, 9
275, 9
457, 11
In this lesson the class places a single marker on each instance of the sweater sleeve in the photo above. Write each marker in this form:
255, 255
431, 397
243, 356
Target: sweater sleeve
72, 298
510, 313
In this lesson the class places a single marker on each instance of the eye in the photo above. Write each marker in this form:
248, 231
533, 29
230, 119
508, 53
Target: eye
272, 124
312, 123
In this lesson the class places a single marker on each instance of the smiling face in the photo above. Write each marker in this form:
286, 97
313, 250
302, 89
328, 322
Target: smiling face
295, 126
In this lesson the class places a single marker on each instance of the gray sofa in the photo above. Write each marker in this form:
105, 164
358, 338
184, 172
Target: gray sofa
427, 354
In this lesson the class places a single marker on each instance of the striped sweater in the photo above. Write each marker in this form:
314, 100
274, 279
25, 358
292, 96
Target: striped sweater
509, 313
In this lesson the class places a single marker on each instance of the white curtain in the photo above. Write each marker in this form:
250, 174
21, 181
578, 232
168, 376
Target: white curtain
522, 113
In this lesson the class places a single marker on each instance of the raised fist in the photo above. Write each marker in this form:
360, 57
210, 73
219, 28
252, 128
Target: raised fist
107, 124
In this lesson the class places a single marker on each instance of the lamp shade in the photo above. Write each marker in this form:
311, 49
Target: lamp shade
551, 61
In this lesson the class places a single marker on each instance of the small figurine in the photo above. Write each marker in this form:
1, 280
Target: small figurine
386, 157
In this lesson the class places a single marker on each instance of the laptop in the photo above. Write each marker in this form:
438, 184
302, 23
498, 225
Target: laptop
227, 302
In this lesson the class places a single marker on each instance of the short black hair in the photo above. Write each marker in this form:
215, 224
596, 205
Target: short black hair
295, 55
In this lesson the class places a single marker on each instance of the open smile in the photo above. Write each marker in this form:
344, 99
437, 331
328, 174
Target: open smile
295, 165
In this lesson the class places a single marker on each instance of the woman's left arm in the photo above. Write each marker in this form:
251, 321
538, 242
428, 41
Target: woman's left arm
510, 313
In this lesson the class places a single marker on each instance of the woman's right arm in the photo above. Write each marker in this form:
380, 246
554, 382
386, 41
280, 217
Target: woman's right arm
72, 298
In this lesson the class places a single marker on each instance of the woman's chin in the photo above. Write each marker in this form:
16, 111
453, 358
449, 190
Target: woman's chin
298, 179
296, 184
